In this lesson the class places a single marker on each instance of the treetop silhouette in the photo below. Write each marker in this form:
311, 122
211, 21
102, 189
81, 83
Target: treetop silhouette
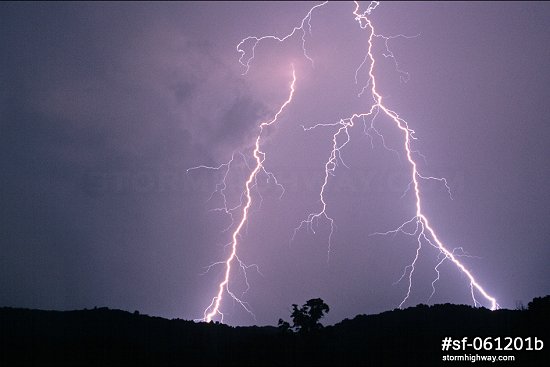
306, 318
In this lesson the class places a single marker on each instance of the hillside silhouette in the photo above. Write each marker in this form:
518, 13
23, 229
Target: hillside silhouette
410, 337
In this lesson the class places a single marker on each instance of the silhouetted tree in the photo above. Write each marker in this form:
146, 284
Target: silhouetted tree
520, 306
306, 318
539, 304
284, 326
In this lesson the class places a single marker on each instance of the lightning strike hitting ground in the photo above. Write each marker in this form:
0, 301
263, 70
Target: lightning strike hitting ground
423, 231
213, 309
421, 228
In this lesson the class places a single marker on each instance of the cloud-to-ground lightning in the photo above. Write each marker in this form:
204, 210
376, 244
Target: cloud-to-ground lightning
423, 230
418, 226
213, 309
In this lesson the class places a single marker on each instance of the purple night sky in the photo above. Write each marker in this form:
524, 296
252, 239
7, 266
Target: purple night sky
105, 106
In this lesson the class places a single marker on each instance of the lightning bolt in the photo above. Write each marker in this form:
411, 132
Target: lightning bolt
418, 226
330, 167
423, 230
245, 60
213, 308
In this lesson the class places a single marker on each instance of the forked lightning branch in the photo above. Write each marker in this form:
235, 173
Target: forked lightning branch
418, 227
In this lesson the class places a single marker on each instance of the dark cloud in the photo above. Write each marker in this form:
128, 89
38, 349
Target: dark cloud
88, 138
239, 123
183, 91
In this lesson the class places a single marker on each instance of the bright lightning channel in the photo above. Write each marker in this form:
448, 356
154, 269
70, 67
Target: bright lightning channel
423, 228
213, 308
423, 231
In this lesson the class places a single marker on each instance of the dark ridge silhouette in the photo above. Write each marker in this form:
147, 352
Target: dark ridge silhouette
410, 337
